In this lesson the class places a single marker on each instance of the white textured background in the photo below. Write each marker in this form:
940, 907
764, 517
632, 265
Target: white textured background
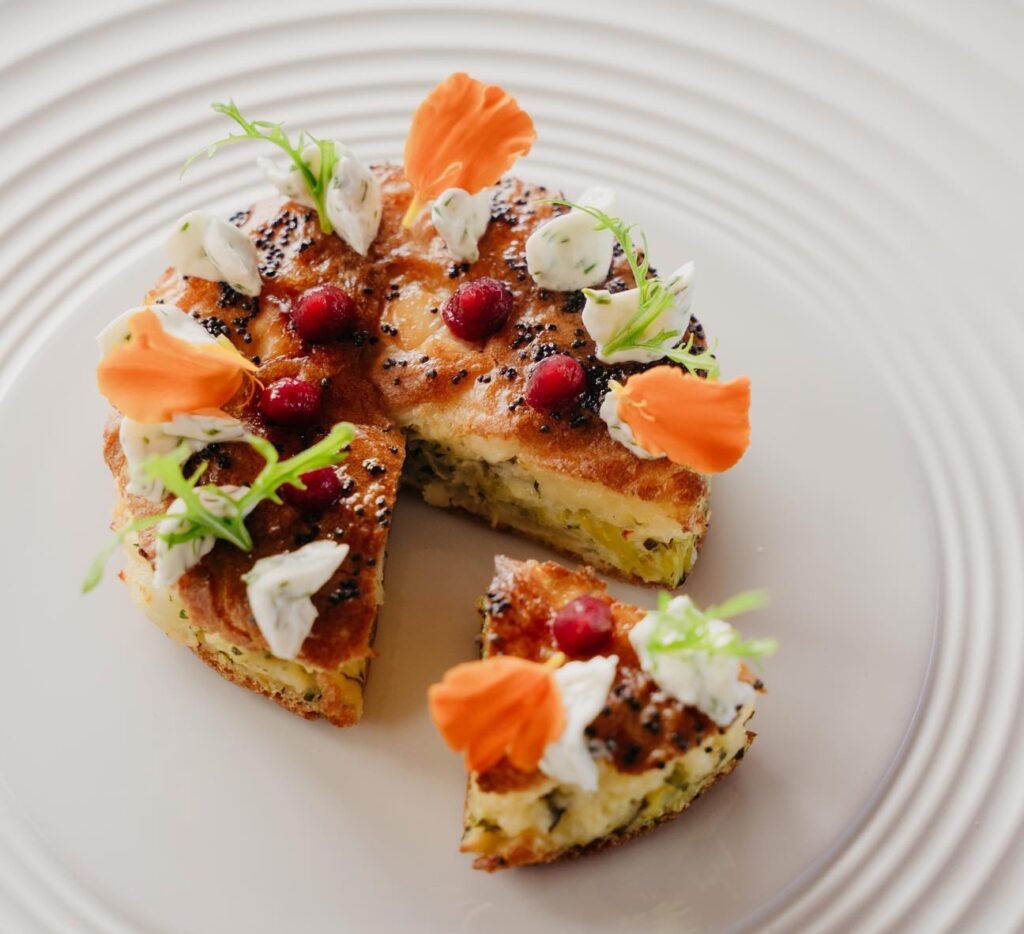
862, 160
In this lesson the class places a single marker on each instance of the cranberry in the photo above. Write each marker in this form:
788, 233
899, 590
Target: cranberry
555, 383
323, 489
291, 401
323, 314
583, 627
477, 309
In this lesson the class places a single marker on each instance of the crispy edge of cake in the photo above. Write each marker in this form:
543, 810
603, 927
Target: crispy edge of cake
337, 696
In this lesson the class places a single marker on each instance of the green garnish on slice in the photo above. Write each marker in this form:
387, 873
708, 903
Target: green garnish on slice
655, 299
274, 133
198, 519
683, 629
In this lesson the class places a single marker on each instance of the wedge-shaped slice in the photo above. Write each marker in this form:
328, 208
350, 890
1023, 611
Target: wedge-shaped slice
653, 754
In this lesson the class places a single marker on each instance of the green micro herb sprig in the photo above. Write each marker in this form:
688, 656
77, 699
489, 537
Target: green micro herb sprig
198, 520
274, 133
685, 629
655, 300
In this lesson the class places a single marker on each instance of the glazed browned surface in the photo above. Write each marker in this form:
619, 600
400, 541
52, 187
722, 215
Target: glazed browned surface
398, 367
641, 727
423, 371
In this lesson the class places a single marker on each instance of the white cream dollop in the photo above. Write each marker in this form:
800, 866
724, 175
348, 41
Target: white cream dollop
140, 441
174, 560
618, 428
279, 590
605, 313
209, 247
353, 201
171, 318
711, 683
567, 252
584, 687
461, 219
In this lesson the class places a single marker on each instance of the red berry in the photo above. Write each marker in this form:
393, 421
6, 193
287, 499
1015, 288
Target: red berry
323, 314
583, 627
323, 489
477, 309
555, 383
291, 401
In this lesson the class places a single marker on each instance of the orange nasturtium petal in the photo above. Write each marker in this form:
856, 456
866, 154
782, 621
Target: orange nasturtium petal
699, 423
465, 134
154, 376
499, 706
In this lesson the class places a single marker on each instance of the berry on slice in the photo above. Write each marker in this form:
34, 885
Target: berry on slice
555, 383
291, 401
477, 309
324, 313
583, 627
323, 490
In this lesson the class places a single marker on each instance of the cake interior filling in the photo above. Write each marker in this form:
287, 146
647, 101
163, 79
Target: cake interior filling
548, 817
599, 524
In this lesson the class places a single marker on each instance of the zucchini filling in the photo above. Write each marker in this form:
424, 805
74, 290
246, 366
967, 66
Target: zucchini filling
549, 818
585, 519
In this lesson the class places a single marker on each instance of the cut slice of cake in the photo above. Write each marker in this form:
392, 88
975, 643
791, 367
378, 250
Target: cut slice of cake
654, 707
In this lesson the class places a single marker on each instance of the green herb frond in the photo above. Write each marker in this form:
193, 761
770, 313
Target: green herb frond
655, 298
198, 520
683, 630
274, 133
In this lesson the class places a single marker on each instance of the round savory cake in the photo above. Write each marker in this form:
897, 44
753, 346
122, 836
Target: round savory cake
442, 414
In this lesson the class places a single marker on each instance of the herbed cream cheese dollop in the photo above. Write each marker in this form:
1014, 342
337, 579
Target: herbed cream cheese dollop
584, 688
569, 252
461, 219
173, 560
711, 683
353, 200
617, 427
606, 313
208, 247
171, 318
280, 587
140, 441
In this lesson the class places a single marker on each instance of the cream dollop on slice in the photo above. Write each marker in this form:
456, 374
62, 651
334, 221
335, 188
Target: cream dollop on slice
280, 588
173, 560
618, 428
606, 313
353, 200
711, 683
584, 687
172, 319
461, 219
208, 247
140, 441
568, 252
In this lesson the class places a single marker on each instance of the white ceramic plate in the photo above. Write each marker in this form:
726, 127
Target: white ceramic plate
848, 180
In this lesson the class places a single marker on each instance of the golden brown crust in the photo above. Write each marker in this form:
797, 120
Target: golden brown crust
525, 856
642, 727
